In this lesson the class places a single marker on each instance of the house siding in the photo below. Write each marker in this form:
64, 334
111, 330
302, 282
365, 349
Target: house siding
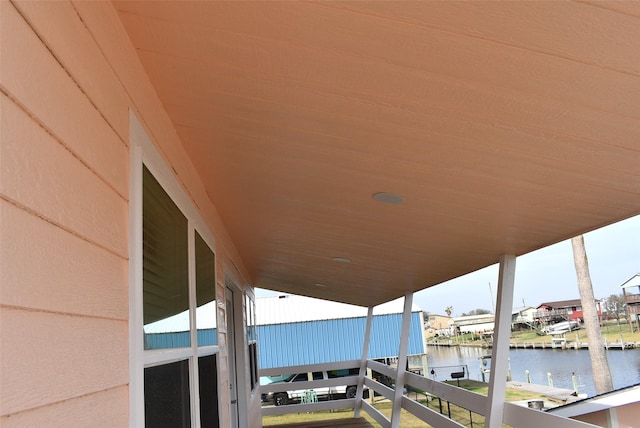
68, 79
63, 219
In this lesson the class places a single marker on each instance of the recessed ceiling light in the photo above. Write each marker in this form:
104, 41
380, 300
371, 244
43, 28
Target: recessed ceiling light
341, 260
388, 198
320, 285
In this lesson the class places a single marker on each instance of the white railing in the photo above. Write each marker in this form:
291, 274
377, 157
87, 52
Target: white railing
513, 415
283, 387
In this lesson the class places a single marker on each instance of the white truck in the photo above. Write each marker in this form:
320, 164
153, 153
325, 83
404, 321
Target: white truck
325, 392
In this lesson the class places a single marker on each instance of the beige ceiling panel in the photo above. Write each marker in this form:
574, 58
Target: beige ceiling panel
506, 127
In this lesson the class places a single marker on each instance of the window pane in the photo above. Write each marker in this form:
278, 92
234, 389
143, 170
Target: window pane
253, 365
301, 377
205, 293
208, 376
166, 396
165, 269
252, 312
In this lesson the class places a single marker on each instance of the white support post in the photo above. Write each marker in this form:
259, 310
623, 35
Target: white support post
612, 418
501, 335
402, 361
363, 363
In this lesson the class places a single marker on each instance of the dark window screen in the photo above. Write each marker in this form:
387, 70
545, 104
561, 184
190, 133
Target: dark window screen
166, 396
208, 376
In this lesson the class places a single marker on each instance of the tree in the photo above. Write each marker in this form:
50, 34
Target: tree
614, 305
599, 363
476, 312
449, 310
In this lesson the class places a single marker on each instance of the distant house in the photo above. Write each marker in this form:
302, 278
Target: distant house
475, 323
631, 291
523, 317
298, 330
438, 325
563, 310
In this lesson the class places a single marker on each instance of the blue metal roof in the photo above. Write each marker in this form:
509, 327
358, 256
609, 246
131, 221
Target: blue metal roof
325, 341
313, 342
179, 339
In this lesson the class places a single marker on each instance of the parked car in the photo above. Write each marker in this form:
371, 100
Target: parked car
326, 392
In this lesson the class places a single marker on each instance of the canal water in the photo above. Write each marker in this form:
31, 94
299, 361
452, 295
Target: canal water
624, 366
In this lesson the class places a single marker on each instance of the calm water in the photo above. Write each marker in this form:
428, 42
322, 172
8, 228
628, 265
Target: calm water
624, 365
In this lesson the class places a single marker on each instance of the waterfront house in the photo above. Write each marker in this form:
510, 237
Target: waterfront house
563, 310
474, 323
631, 292
438, 325
159, 160
523, 317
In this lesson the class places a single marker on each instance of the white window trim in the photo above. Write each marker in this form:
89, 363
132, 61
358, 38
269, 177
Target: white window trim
143, 152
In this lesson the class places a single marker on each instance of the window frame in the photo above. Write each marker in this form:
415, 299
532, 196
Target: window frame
252, 343
143, 152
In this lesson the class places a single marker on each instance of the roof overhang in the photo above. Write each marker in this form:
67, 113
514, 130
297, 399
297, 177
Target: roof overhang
504, 126
599, 403
634, 281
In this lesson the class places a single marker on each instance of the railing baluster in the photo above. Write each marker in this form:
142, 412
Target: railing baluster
474, 403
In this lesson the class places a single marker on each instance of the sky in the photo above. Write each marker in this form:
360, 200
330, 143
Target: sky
547, 274
542, 276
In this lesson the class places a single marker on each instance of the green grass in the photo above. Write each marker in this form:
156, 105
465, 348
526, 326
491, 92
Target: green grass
408, 420
611, 331
293, 418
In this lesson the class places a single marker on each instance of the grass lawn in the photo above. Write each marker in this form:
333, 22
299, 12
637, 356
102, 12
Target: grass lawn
293, 418
407, 420
612, 331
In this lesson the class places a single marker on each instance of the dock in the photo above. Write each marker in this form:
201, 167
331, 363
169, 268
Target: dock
565, 344
556, 343
555, 396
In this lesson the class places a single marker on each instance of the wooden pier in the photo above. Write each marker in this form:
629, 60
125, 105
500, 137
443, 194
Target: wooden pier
572, 345
554, 396
554, 344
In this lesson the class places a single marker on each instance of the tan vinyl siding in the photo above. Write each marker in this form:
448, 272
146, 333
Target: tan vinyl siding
76, 51
64, 224
91, 410
58, 271
41, 174
64, 248
69, 78
58, 357
35, 78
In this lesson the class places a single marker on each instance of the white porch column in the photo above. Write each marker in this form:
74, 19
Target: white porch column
402, 360
612, 418
501, 335
363, 363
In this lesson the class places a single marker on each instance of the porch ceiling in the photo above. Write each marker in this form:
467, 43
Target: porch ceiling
505, 127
